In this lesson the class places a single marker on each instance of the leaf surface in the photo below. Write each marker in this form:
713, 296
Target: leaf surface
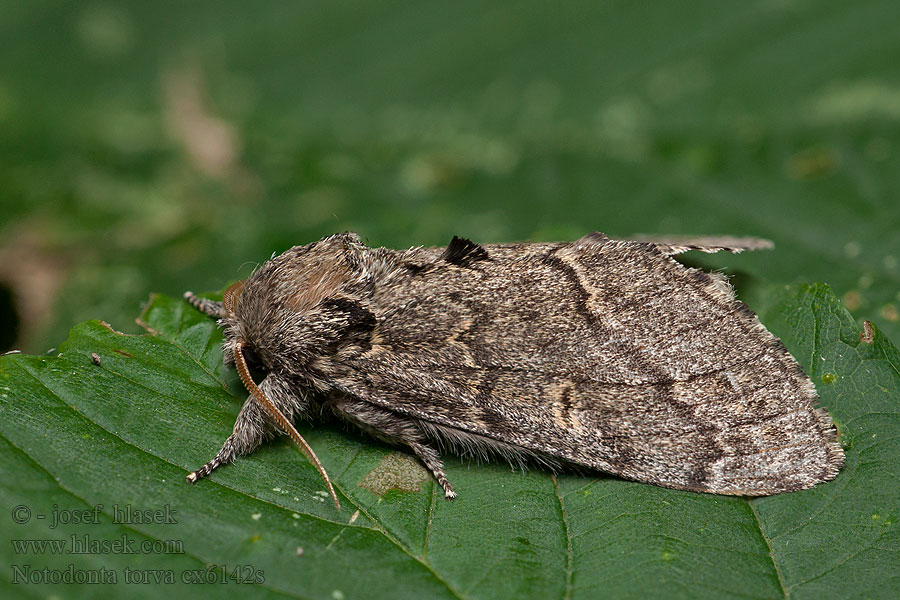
123, 434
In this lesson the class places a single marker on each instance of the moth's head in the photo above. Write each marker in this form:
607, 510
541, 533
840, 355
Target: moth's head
281, 317
241, 353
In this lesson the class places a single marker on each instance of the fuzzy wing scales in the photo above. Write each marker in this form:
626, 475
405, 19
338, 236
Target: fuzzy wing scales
604, 353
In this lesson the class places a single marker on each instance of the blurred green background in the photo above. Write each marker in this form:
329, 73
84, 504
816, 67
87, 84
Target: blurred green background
165, 146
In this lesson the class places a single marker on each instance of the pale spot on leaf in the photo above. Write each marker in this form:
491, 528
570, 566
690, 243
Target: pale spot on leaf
395, 472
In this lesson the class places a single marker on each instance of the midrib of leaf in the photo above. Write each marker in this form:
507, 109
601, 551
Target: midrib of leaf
570, 559
765, 537
396, 541
428, 524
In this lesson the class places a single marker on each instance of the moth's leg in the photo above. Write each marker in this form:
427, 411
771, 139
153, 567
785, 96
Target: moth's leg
209, 307
432, 461
253, 426
670, 245
395, 428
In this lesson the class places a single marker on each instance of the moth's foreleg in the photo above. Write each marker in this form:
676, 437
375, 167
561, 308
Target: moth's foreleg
250, 430
209, 307
224, 456
395, 428
253, 426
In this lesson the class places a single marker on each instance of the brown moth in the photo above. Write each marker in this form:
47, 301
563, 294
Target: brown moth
606, 354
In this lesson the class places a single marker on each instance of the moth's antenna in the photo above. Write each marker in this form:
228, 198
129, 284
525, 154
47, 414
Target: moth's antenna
232, 295
276, 414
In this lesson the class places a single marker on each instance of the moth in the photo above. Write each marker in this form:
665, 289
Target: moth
599, 353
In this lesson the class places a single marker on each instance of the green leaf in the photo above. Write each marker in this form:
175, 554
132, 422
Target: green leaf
123, 434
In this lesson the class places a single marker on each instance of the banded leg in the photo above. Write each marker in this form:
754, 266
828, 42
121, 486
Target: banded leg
209, 307
395, 428
226, 455
432, 461
253, 426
